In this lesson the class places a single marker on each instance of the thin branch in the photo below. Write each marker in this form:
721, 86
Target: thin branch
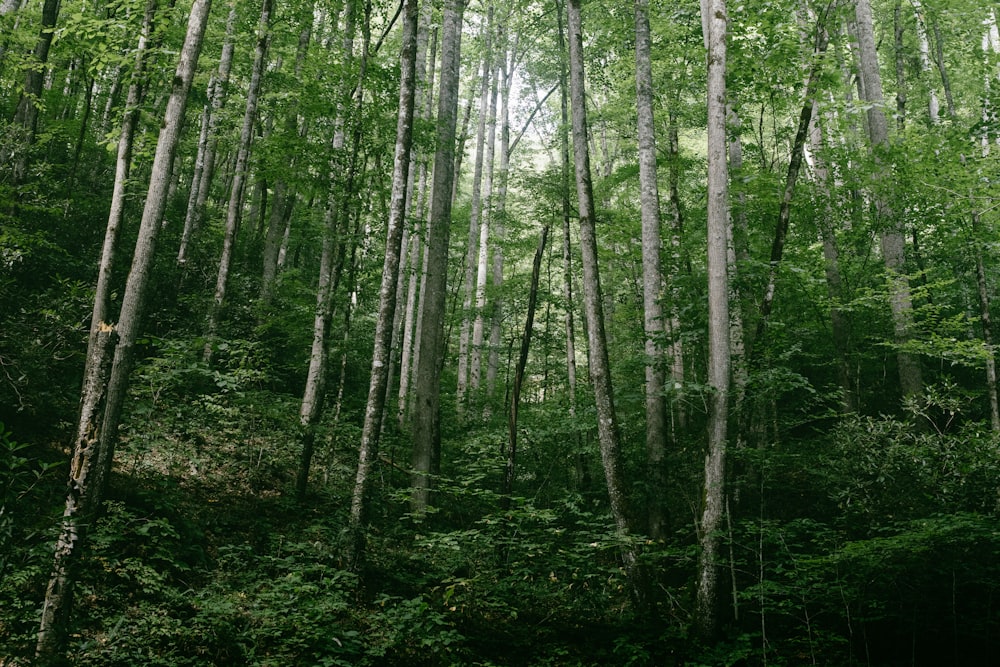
527, 123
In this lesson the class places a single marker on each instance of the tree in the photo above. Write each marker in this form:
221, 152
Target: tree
893, 242
106, 378
600, 366
235, 210
26, 115
714, 22
426, 453
652, 277
378, 385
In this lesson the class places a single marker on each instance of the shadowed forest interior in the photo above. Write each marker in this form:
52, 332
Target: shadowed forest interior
499, 332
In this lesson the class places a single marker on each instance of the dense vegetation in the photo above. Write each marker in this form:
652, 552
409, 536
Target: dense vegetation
861, 501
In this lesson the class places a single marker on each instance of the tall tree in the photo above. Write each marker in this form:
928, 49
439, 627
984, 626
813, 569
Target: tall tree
652, 276
105, 383
426, 454
476, 213
26, 115
600, 365
208, 141
891, 226
311, 407
714, 24
234, 211
378, 384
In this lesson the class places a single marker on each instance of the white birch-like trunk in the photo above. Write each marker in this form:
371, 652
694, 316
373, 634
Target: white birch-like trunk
600, 365
208, 142
892, 241
475, 214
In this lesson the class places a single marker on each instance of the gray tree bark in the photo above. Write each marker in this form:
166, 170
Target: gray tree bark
714, 21
378, 384
892, 240
103, 393
234, 212
600, 365
425, 459
208, 142
475, 213
652, 276
30, 102
311, 407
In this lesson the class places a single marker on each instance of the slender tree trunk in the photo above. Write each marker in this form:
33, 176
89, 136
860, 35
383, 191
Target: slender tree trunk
893, 243
486, 219
567, 249
407, 358
652, 276
678, 413
984, 319
426, 453
208, 142
30, 103
312, 396
236, 194
378, 384
933, 105
794, 165
475, 214
942, 70
714, 22
284, 196
103, 393
498, 218
522, 362
600, 365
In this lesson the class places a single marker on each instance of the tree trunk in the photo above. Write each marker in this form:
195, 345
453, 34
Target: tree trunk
407, 358
475, 214
486, 219
984, 319
312, 396
235, 209
378, 384
794, 165
522, 362
30, 102
678, 413
714, 21
652, 276
600, 365
893, 244
425, 459
498, 222
208, 142
103, 393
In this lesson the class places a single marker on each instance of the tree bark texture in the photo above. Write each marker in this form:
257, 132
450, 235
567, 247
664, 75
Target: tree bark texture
719, 367
475, 214
652, 275
892, 240
234, 211
600, 366
103, 393
378, 384
425, 459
